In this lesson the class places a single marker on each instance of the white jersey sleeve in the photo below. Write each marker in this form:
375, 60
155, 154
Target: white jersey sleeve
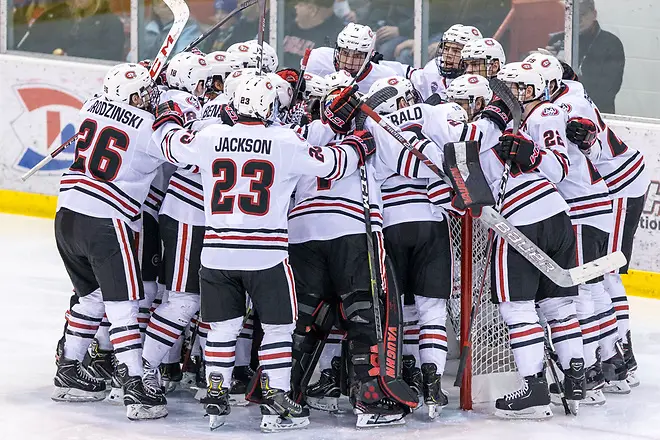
321, 61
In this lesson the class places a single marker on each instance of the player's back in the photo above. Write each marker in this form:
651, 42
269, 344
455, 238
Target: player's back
112, 169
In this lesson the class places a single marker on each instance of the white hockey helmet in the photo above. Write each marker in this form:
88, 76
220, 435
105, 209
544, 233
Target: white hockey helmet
316, 86
519, 77
255, 98
406, 94
466, 90
448, 55
355, 44
283, 89
222, 63
479, 56
236, 78
124, 80
248, 54
341, 78
186, 71
455, 112
550, 69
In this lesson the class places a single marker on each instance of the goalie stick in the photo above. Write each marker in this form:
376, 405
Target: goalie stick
509, 233
181, 13
503, 92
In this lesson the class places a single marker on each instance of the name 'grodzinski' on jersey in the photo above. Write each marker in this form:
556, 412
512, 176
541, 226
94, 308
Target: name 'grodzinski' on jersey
244, 145
116, 112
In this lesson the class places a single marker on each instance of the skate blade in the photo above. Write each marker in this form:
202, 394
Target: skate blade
200, 393
617, 387
189, 380
61, 394
142, 412
594, 398
328, 404
238, 400
169, 386
275, 423
534, 413
216, 421
116, 396
573, 406
632, 379
376, 420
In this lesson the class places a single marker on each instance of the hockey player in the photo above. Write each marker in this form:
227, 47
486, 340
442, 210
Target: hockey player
584, 130
248, 53
181, 222
221, 65
248, 173
98, 212
353, 50
483, 57
516, 284
417, 239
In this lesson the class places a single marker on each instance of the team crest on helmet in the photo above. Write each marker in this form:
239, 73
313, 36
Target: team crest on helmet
202, 62
393, 82
526, 66
307, 76
475, 32
269, 86
550, 111
473, 80
130, 74
219, 57
371, 34
489, 42
545, 63
243, 48
236, 74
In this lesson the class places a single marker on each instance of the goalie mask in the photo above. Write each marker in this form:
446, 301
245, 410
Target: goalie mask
448, 55
355, 46
483, 57
189, 72
406, 94
130, 84
525, 82
471, 92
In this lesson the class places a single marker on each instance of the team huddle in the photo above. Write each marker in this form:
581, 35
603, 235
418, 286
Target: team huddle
230, 203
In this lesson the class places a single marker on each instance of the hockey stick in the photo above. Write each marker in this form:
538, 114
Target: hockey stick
189, 349
501, 226
296, 89
504, 93
50, 156
260, 35
180, 10
551, 358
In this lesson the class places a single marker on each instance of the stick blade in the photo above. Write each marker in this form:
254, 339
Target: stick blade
597, 267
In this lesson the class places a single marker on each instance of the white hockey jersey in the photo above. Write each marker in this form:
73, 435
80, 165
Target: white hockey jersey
184, 199
249, 172
428, 81
530, 197
583, 188
157, 190
321, 62
623, 168
115, 161
324, 210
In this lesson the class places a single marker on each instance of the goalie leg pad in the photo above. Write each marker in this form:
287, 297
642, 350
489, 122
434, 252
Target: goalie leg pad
463, 168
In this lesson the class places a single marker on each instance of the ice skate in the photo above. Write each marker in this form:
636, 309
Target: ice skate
151, 376
631, 363
434, 397
278, 411
216, 401
373, 408
142, 401
239, 384
616, 373
190, 370
529, 402
99, 362
575, 384
324, 394
412, 375
73, 383
595, 383
171, 376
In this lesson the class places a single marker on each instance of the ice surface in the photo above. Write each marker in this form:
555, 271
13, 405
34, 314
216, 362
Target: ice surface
36, 290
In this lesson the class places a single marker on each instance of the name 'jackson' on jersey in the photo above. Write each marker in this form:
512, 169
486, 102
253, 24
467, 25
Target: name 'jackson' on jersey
247, 193
97, 184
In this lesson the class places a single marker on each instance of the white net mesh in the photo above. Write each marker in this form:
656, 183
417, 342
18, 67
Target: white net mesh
493, 367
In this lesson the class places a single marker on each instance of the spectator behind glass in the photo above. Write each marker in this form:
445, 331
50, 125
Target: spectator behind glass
79, 28
156, 30
40, 26
393, 22
227, 30
315, 25
601, 59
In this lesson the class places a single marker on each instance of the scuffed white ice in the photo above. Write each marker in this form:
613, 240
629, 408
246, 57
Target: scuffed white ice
35, 293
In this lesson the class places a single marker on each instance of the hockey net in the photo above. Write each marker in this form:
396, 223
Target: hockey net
490, 371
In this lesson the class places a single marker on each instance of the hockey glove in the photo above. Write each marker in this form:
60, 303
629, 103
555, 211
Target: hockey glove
168, 112
434, 99
498, 113
520, 150
291, 76
582, 132
363, 143
341, 107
